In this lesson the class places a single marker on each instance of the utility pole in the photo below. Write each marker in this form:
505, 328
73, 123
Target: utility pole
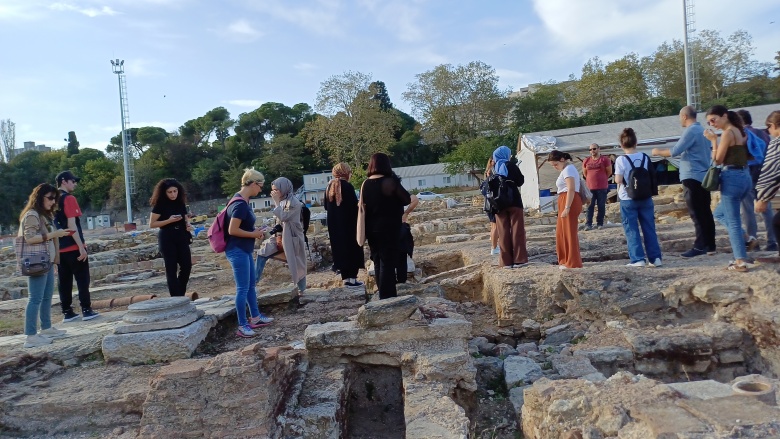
118, 67
691, 76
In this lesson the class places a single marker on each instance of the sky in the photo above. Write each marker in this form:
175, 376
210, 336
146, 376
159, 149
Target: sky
185, 57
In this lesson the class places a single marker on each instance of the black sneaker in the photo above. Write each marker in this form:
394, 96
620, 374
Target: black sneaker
771, 247
354, 285
692, 253
88, 314
69, 316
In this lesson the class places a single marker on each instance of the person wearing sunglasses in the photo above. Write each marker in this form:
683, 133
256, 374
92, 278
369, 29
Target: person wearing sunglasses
597, 169
169, 213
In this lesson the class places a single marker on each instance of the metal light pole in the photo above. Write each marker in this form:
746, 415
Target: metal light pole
118, 68
691, 77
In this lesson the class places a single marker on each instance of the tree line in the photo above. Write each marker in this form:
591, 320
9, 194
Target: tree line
459, 114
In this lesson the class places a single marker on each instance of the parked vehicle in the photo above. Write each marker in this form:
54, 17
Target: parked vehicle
428, 195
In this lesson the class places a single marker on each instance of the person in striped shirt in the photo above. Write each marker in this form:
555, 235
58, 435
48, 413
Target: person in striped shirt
769, 180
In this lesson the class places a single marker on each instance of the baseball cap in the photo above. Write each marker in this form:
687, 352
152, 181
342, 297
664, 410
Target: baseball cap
66, 175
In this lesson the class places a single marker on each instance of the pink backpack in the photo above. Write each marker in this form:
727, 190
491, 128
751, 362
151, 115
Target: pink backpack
218, 231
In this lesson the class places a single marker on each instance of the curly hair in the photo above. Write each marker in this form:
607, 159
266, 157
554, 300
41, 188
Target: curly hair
159, 195
35, 201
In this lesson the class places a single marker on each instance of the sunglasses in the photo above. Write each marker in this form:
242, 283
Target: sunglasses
593, 149
50, 197
259, 183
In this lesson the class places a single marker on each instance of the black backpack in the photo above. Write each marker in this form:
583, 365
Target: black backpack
641, 183
305, 220
502, 193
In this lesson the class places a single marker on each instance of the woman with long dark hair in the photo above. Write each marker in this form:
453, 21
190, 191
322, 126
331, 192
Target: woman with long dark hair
732, 154
35, 224
636, 214
567, 243
494, 248
341, 203
384, 199
169, 213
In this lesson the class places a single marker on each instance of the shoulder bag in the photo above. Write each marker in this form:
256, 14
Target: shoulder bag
32, 259
361, 219
711, 181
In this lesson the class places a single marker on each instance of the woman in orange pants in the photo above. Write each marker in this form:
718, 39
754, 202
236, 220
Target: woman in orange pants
567, 243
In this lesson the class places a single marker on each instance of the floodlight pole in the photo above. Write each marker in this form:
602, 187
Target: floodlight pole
118, 68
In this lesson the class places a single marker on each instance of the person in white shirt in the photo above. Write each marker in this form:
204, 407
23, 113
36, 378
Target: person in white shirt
567, 242
636, 214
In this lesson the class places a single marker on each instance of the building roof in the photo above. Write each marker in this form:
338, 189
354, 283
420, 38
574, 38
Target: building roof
420, 170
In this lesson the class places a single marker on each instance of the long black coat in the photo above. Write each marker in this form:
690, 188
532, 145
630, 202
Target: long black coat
342, 229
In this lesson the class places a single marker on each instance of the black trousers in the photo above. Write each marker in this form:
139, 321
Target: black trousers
776, 224
175, 249
68, 268
698, 201
385, 255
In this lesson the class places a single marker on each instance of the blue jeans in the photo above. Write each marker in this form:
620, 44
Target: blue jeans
40, 290
735, 185
244, 275
640, 214
600, 198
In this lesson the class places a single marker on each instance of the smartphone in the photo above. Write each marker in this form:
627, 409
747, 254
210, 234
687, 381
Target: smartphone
71, 232
187, 207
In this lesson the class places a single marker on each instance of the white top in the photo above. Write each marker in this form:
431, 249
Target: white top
623, 167
568, 171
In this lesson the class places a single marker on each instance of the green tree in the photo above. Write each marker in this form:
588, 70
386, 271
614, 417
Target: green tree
470, 156
97, 176
199, 130
539, 110
73, 143
458, 103
284, 158
619, 82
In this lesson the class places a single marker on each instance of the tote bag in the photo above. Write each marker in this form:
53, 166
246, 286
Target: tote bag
711, 181
32, 259
361, 219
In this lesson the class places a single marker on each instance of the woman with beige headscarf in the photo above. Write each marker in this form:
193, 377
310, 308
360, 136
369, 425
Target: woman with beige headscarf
341, 203
288, 214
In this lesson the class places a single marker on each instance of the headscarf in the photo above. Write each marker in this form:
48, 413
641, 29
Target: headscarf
501, 156
285, 187
342, 170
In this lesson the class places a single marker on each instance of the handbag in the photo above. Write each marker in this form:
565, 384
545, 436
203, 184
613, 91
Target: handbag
711, 181
32, 259
585, 192
361, 219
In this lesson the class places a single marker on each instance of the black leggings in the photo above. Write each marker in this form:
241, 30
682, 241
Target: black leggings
385, 254
776, 224
68, 268
175, 249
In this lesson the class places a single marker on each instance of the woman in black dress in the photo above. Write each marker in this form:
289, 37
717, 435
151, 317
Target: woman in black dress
169, 213
341, 203
384, 199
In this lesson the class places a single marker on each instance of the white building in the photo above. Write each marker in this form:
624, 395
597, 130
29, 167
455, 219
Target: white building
260, 203
415, 178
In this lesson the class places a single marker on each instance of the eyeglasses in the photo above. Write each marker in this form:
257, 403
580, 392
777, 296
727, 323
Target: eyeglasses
259, 183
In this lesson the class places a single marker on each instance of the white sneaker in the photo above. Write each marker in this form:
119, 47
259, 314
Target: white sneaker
495, 251
636, 264
53, 333
656, 263
34, 341
563, 267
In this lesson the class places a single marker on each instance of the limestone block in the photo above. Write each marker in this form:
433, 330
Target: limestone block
448, 239
429, 414
664, 420
644, 302
221, 309
562, 337
704, 390
727, 414
490, 370
524, 348
721, 294
164, 345
334, 335
724, 336
569, 366
731, 356
668, 341
177, 322
277, 296
531, 329
386, 312
516, 398
654, 367
504, 350
607, 355
520, 370
555, 329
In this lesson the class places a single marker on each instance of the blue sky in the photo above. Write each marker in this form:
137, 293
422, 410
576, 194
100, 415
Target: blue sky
185, 57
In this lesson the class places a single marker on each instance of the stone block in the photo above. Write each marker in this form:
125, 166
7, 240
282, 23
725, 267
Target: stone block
665, 420
387, 312
569, 366
726, 414
644, 302
721, 294
667, 342
504, 350
523, 348
532, 329
707, 389
520, 370
277, 296
654, 367
555, 329
731, 356
516, 397
170, 323
448, 239
490, 371
156, 346
724, 336
607, 355
562, 337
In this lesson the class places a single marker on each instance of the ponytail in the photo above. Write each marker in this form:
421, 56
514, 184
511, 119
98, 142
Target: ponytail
556, 156
735, 120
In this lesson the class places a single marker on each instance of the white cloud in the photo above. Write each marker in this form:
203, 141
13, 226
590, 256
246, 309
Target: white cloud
321, 16
304, 66
14, 11
249, 103
242, 30
140, 67
91, 12
397, 16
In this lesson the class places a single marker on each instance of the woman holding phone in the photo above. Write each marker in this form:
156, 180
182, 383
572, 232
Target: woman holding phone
169, 213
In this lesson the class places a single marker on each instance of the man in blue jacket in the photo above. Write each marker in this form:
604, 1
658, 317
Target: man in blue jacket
694, 151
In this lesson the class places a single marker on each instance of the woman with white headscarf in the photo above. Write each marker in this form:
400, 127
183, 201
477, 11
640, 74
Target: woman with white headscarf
288, 213
510, 222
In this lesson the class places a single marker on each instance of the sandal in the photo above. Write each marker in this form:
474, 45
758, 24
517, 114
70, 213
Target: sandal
738, 268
